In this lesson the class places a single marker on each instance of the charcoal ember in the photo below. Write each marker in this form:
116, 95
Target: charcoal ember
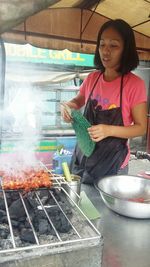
15, 231
59, 220
38, 218
22, 219
2, 204
35, 223
44, 196
61, 223
14, 217
17, 210
12, 195
2, 213
43, 226
4, 219
64, 226
4, 232
21, 226
15, 223
54, 211
32, 202
57, 194
27, 224
27, 235
45, 200
39, 214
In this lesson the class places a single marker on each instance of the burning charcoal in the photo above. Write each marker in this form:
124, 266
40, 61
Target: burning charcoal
2, 204
61, 225
4, 233
21, 226
27, 236
35, 222
12, 195
43, 226
15, 223
38, 218
4, 220
32, 202
64, 226
57, 225
53, 211
57, 194
49, 229
2, 213
17, 209
27, 224
44, 194
14, 217
22, 219
40, 215
44, 200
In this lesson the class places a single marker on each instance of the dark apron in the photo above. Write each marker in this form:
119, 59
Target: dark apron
109, 153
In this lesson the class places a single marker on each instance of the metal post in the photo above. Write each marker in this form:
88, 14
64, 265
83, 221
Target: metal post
148, 123
2, 82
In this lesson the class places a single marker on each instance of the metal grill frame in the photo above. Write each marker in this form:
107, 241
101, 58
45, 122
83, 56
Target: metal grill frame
58, 181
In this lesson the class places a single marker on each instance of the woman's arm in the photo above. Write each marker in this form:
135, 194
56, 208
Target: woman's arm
77, 102
138, 128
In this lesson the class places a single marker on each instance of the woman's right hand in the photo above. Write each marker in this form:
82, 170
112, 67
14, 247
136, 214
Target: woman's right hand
65, 113
76, 103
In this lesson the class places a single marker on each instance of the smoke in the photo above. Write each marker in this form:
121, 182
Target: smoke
21, 119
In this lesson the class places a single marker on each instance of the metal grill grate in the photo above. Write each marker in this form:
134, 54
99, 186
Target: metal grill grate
82, 229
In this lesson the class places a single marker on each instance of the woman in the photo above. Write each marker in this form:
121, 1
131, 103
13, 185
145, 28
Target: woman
115, 104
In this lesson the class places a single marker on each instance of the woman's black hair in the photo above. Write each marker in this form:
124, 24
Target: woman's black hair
130, 59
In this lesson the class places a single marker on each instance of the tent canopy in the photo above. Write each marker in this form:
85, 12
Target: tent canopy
73, 24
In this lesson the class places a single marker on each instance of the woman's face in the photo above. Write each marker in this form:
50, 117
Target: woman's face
110, 49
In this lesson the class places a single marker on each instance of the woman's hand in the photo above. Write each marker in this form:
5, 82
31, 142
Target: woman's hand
98, 132
138, 128
76, 103
65, 113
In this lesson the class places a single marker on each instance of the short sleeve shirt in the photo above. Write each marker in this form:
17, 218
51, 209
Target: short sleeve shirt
107, 94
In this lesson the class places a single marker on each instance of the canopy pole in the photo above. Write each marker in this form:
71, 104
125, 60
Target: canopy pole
82, 31
2, 83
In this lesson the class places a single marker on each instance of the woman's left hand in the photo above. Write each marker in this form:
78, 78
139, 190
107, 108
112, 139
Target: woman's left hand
98, 132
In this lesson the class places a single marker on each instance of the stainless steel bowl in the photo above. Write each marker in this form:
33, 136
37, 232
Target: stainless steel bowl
126, 194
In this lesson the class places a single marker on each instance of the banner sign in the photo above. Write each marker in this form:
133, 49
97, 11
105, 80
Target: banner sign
28, 53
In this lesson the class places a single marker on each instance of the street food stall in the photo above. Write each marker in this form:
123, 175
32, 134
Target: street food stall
40, 225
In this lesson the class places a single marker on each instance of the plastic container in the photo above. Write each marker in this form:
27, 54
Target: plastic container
67, 143
57, 161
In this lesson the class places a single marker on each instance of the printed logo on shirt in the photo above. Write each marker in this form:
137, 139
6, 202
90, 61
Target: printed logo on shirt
100, 103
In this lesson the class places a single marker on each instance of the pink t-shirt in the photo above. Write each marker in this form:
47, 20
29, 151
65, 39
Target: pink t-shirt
108, 95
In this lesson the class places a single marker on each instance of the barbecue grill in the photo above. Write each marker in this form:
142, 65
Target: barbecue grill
80, 245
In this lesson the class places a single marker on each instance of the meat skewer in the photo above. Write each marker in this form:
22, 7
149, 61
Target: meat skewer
27, 180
